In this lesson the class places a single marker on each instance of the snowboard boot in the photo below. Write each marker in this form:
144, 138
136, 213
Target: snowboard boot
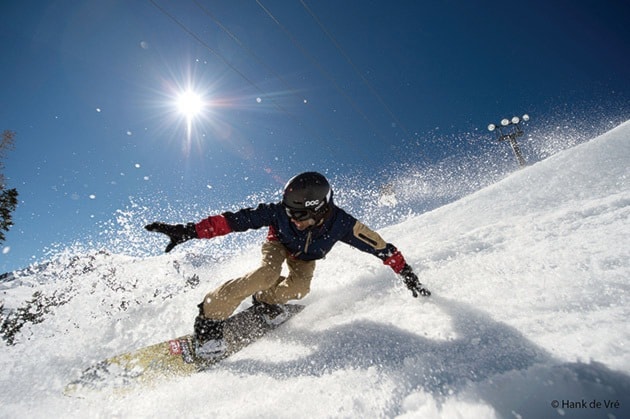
272, 314
209, 341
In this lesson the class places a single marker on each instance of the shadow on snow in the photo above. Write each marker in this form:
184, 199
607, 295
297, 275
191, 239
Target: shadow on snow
488, 360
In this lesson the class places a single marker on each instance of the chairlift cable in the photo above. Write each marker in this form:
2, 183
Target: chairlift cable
323, 71
354, 67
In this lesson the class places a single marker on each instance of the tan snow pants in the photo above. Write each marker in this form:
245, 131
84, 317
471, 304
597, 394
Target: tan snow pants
266, 282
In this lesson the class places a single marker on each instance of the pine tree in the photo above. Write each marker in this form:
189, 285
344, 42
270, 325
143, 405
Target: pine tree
8, 197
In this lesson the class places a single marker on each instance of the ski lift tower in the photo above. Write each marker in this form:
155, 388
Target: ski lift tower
510, 130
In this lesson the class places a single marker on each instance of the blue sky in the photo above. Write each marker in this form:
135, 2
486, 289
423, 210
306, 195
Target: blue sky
335, 86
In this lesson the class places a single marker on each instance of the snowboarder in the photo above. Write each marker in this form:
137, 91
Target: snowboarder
302, 229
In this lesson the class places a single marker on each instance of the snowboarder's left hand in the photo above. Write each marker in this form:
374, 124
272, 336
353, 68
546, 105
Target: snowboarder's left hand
412, 282
178, 233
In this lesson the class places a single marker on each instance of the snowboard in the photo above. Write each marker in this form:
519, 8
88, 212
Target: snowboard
172, 358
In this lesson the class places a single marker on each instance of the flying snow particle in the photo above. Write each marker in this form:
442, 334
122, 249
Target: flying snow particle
144, 45
209, 186
137, 165
305, 101
129, 133
258, 100
92, 196
98, 110
6, 250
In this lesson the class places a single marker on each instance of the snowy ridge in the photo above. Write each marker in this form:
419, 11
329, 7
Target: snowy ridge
530, 307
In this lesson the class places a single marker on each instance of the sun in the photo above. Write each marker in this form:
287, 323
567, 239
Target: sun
189, 104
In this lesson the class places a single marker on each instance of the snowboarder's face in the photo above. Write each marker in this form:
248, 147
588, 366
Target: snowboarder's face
303, 225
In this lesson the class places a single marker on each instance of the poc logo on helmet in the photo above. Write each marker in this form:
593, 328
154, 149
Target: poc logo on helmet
316, 205
311, 203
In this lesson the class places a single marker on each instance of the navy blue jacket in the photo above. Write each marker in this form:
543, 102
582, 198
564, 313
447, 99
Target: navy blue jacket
310, 244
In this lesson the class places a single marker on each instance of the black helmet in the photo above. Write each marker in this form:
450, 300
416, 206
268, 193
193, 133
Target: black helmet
307, 195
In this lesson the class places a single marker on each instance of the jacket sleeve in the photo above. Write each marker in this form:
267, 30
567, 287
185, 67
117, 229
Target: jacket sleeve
242, 220
263, 215
369, 241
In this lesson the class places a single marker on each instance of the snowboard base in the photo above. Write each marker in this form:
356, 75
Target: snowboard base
172, 358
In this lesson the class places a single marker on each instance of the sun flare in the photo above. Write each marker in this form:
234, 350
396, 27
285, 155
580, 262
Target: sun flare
189, 104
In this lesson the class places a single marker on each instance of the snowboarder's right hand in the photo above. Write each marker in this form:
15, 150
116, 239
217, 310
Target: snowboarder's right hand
412, 282
178, 233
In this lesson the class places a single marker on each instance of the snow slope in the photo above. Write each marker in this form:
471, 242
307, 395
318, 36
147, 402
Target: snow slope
530, 308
